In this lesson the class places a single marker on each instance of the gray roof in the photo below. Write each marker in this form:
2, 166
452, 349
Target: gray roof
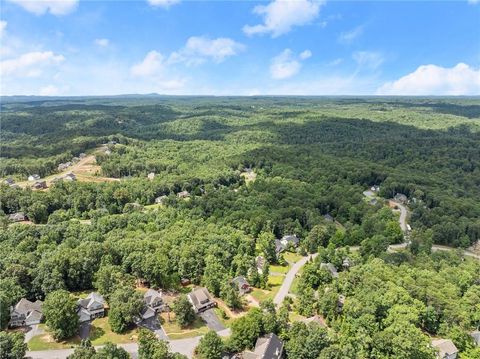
331, 268
269, 347
200, 297
476, 337
90, 299
150, 296
25, 306
240, 281
17, 217
291, 238
444, 347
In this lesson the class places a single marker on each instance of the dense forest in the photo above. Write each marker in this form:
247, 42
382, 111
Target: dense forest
312, 158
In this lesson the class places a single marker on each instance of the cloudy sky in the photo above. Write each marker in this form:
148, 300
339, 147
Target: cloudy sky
299, 47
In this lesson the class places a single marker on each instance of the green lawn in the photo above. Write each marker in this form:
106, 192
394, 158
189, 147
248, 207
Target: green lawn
174, 331
279, 269
100, 333
274, 283
46, 342
292, 257
227, 322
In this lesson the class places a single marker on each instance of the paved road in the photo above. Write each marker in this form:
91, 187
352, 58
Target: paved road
287, 283
403, 216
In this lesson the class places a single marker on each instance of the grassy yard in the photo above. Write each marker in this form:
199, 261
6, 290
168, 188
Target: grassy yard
274, 283
100, 333
174, 331
46, 342
292, 257
224, 318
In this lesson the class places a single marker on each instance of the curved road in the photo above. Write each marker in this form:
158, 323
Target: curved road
287, 282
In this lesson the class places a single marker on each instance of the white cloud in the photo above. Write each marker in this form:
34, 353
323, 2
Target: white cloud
163, 3
286, 64
3, 27
55, 7
151, 65
368, 59
473, 2
49, 90
335, 62
102, 42
200, 48
280, 16
436, 80
29, 64
305, 55
348, 36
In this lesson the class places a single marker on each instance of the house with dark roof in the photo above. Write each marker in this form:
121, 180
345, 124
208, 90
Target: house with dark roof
241, 284
26, 313
17, 217
331, 268
286, 242
153, 303
9, 181
201, 300
91, 307
39, 185
400, 197
328, 217
70, 177
268, 347
445, 349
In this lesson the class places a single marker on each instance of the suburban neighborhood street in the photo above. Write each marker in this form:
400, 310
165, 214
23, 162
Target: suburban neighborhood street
287, 282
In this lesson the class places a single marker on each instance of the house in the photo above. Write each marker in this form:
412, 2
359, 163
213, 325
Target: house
26, 313
183, 194
315, 319
476, 337
331, 268
82, 155
160, 200
285, 243
153, 299
63, 166
445, 349
39, 185
347, 263
70, 177
268, 347
9, 181
151, 176
201, 300
328, 217
260, 264
34, 177
373, 202
91, 307
75, 159
17, 217
340, 303
375, 188
242, 285
400, 197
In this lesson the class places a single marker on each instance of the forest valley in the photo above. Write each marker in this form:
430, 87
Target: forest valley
190, 191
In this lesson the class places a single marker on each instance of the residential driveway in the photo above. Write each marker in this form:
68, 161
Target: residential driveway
154, 325
32, 331
287, 282
84, 330
210, 317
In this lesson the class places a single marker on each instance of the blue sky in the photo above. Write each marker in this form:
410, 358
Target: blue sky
304, 47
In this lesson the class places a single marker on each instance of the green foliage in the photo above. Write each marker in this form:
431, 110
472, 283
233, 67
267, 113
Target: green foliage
149, 347
84, 351
60, 311
12, 345
125, 306
184, 313
306, 341
111, 351
210, 346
